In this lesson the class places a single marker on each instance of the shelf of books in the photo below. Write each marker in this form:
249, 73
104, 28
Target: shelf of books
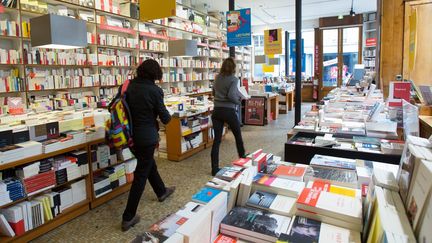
117, 43
333, 199
47, 170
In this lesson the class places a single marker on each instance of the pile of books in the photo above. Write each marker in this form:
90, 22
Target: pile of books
28, 215
14, 187
269, 200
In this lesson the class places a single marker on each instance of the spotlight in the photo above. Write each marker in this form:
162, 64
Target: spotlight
340, 16
352, 13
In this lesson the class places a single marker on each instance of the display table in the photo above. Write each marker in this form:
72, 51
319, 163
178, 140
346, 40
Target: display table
425, 126
261, 109
288, 101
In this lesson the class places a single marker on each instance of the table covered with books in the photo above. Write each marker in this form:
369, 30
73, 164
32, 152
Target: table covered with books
264, 199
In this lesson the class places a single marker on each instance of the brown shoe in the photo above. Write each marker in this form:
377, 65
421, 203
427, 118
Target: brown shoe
169, 190
126, 225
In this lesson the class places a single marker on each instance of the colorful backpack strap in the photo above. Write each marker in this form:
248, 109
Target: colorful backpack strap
125, 86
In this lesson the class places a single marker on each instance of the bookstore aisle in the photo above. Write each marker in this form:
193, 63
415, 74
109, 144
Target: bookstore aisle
103, 223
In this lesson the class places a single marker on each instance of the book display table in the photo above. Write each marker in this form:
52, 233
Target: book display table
287, 103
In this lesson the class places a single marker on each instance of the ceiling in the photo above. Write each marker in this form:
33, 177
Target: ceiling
278, 11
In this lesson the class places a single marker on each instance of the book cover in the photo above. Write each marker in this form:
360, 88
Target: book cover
225, 239
319, 185
345, 177
291, 172
261, 199
426, 92
333, 162
330, 204
399, 91
229, 173
205, 195
303, 230
259, 224
5, 228
242, 161
167, 226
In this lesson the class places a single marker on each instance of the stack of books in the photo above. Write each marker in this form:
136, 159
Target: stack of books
101, 185
39, 182
4, 194
15, 188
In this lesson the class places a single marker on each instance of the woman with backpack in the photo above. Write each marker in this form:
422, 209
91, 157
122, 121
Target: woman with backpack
145, 101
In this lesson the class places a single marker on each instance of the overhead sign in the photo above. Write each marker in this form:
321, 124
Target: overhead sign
239, 27
151, 9
273, 41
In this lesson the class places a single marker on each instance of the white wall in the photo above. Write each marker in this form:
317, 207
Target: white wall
287, 26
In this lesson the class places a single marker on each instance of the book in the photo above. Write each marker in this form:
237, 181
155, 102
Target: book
273, 203
197, 228
328, 187
329, 220
399, 91
426, 92
333, 162
229, 173
5, 228
346, 178
340, 207
243, 162
255, 223
295, 173
423, 234
306, 230
218, 208
419, 193
205, 195
277, 185
167, 226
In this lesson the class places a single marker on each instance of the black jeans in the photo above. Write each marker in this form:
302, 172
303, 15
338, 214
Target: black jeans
222, 115
146, 169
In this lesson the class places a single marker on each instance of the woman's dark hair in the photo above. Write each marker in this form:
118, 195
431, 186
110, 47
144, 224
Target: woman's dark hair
149, 69
228, 67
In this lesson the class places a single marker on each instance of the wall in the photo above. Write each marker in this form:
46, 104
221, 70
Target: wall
391, 53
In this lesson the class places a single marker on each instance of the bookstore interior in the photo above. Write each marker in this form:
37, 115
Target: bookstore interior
337, 131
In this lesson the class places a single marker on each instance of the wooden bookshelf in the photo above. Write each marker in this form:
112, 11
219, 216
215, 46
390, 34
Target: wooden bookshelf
95, 202
174, 136
66, 216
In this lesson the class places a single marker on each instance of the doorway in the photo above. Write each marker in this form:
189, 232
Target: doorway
341, 51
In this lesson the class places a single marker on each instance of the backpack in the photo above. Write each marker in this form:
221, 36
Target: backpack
119, 128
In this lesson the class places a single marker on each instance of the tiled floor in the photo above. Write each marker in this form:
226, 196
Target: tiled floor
103, 223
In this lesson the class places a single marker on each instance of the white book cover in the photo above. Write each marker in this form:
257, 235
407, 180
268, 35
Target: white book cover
198, 228
421, 190
23, 207
385, 179
5, 228
330, 204
284, 205
218, 208
285, 184
425, 226
190, 209
29, 215
175, 238
13, 214
330, 233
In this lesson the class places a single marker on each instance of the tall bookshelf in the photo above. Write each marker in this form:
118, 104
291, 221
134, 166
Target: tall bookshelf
370, 39
116, 45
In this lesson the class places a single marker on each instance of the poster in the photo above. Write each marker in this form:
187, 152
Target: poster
412, 38
293, 55
273, 41
156, 9
254, 111
239, 27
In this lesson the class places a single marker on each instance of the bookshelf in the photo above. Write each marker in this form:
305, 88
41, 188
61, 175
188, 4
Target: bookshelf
370, 39
117, 43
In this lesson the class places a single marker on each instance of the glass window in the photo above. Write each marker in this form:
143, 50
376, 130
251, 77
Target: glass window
350, 52
330, 57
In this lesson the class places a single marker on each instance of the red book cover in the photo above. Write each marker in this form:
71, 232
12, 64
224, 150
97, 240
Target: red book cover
288, 170
241, 161
256, 153
308, 197
225, 239
18, 227
321, 186
399, 91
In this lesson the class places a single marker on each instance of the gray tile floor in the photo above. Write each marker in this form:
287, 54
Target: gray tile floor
103, 223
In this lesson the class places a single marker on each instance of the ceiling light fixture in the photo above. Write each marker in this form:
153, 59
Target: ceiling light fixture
352, 13
340, 16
